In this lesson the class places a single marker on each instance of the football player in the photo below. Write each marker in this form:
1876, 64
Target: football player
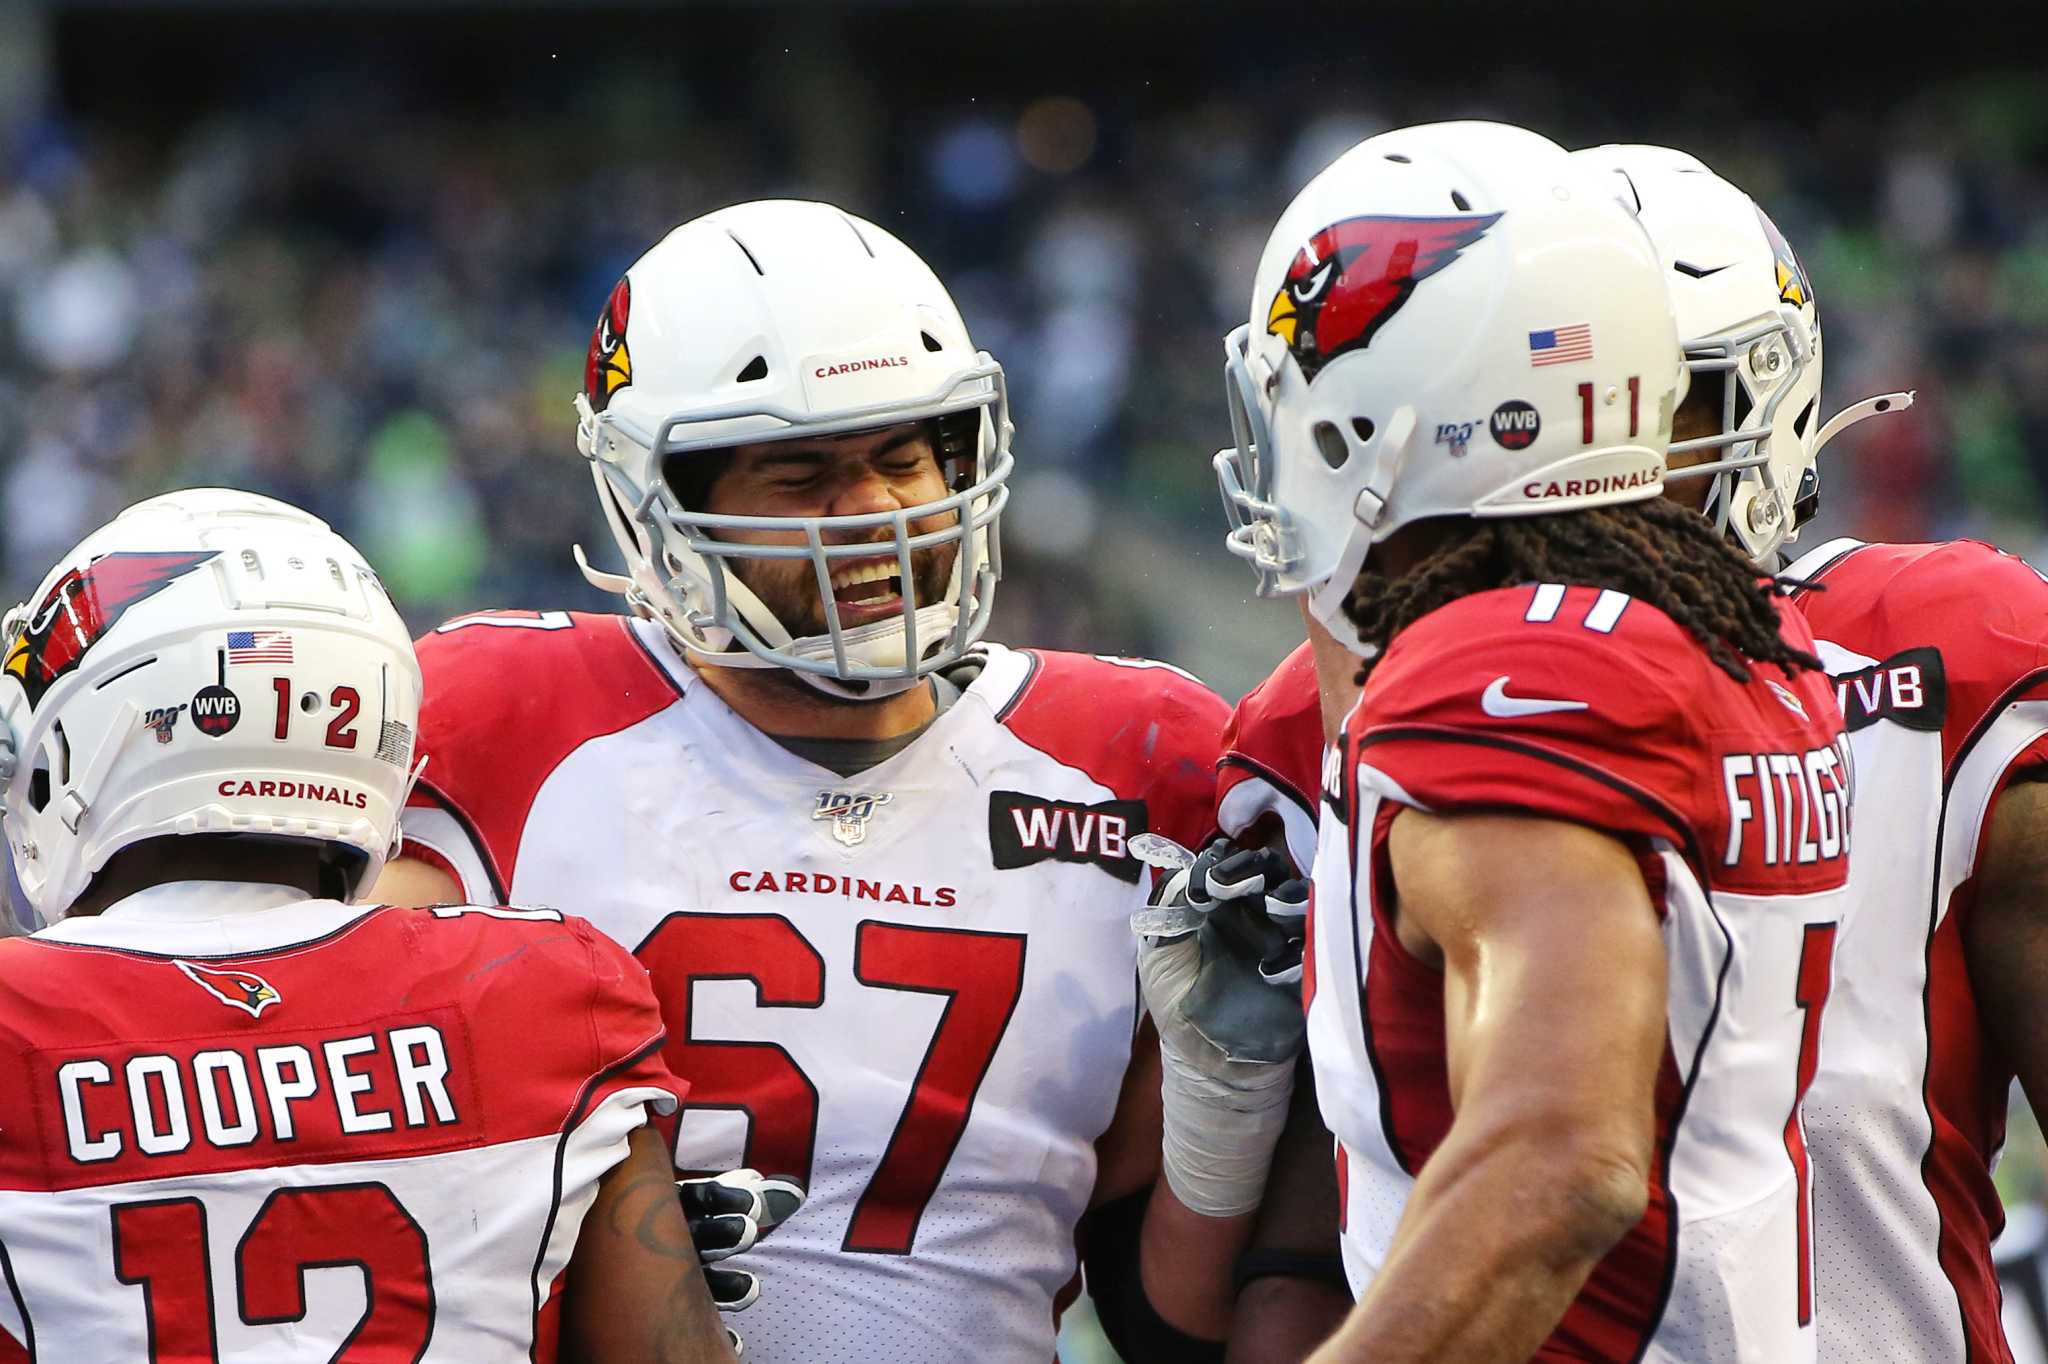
225, 1070
1939, 657
881, 872
1584, 842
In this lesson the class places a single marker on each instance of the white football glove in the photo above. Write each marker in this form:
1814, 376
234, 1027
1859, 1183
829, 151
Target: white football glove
1225, 996
728, 1213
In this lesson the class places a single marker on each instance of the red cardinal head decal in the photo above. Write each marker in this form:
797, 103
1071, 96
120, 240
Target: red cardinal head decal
1352, 276
608, 366
1792, 285
243, 990
82, 607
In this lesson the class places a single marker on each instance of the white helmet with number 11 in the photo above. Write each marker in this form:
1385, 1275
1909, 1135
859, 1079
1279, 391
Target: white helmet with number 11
1450, 320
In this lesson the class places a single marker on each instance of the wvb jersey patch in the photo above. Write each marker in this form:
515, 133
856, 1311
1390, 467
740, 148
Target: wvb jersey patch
1909, 688
1024, 830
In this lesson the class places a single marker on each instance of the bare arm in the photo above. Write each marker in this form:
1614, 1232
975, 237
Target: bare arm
1184, 1259
1185, 1262
1193, 1295
2005, 938
412, 882
1554, 985
1280, 1317
1127, 1153
635, 1292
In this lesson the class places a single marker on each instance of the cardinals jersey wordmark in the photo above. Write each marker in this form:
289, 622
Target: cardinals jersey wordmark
923, 1006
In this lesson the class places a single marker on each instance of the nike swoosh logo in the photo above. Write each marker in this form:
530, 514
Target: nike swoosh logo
1497, 703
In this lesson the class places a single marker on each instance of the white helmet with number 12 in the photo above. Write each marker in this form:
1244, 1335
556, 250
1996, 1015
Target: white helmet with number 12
209, 662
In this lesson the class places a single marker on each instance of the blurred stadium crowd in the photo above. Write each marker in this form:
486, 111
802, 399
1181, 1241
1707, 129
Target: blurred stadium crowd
352, 260
314, 279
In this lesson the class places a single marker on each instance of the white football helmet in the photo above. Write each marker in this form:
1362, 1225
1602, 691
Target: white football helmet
769, 321
1746, 312
1450, 320
209, 662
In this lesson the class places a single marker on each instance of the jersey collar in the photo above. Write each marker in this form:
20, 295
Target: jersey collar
207, 918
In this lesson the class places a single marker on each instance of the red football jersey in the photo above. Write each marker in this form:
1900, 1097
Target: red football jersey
1273, 757
1584, 705
914, 987
242, 1126
1940, 659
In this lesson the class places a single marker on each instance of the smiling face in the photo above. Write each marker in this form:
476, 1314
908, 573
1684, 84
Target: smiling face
858, 474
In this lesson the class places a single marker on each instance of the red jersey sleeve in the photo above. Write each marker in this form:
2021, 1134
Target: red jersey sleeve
561, 1011
1146, 730
627, 1032
1520, 700
1272, 758
508, 696
1984, 610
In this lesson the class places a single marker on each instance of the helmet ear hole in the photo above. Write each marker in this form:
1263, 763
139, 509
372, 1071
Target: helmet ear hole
1806, 501
757, 369
39, 778
1330, 443
1363, 428
931, 343
1805, 415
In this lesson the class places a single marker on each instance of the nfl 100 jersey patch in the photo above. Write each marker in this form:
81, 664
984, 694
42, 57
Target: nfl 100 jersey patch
847, 813
912, 989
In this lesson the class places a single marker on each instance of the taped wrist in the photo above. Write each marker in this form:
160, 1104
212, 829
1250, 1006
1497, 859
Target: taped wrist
1217, 1146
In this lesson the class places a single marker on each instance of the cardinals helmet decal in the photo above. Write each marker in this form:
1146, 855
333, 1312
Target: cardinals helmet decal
1349, 278
608, 367
82, 607
1792, 285
243, 990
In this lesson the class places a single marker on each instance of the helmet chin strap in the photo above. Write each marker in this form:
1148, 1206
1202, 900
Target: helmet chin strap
933, 623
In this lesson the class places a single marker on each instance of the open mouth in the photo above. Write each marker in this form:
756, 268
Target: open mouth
867, 589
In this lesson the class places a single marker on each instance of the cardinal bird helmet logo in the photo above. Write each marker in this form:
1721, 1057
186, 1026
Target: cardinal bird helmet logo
608, 367
1352, 276
244, 990
1792, 285
49, 640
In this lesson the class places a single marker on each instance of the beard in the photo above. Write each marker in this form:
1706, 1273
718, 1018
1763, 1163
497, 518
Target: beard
789, 587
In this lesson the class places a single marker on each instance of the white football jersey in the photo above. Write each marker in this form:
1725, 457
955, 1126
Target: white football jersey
245, 1127
1940, 659
914, 989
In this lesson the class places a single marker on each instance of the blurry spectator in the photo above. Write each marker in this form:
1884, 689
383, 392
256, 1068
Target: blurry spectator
339, 283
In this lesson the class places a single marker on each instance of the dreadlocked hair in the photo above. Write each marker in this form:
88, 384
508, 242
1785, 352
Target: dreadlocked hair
1656, 551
